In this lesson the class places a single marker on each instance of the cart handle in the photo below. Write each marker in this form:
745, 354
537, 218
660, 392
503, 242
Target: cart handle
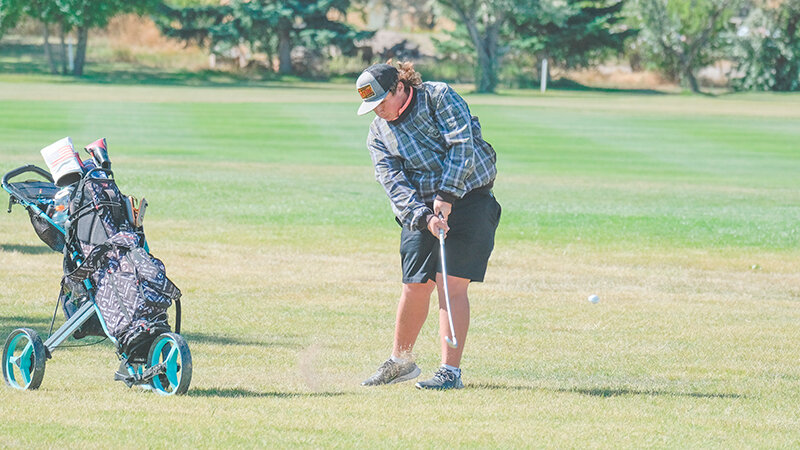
24, 169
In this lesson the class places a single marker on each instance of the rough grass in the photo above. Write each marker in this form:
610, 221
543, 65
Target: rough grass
681, 213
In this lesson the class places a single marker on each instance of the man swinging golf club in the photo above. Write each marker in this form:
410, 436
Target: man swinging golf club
438, 172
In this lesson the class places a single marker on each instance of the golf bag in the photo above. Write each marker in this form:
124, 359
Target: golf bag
96, 211
132, 292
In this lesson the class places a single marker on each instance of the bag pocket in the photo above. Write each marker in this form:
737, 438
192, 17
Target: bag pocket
154, 285
118, 298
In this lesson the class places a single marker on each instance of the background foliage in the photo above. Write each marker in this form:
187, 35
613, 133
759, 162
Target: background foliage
492, 44
767, 48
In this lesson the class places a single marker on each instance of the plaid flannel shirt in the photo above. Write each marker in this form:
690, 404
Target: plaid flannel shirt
434, 148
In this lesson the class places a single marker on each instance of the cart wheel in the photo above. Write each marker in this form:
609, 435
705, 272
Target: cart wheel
172, 350
23, 359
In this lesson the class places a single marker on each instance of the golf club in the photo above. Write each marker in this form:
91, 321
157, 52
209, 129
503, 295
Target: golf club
99, 152
129, 208
140, 215
454, 342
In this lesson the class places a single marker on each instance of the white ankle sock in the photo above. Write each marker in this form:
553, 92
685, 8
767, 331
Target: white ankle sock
453, 369
398, 360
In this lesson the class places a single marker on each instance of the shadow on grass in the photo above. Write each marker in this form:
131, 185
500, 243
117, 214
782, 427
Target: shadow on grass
618, 392
607, 392
205, 78
202, 78
18, 57
216, 339
246, 393
565, 84
26, 249
11, 323
24, 321
501, 387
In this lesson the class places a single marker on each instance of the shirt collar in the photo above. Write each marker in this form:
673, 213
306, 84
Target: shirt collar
406, 109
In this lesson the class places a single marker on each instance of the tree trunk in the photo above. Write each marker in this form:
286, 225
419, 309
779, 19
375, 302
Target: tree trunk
688, 75
490, 78
64, 62
80, 51
270, 56
685, 62
48, 52
284, 51
487, 77
486, 47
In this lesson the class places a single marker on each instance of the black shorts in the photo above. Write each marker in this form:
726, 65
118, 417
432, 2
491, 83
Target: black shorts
473, 221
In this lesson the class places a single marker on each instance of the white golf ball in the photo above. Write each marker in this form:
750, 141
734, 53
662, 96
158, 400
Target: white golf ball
594, 298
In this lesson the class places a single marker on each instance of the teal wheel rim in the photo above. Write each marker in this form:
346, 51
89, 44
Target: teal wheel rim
23, 359
173, 352
19, 362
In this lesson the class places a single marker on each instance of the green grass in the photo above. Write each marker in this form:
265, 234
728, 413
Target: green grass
682, 213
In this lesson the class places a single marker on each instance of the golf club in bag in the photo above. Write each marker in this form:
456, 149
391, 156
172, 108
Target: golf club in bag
99, 153
454, 342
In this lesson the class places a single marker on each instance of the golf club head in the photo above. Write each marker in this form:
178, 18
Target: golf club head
453, 343
140, 216
99, 151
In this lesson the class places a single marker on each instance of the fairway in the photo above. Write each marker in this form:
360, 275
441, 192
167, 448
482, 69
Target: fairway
681, 212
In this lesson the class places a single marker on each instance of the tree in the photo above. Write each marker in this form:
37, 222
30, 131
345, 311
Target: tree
10, 12
574, 35
590, 31
68, 15
484, 22
272, 26
421, 14
308, 23
574, 32
681, 36
83, 15
49, 13
767, 47
204, 25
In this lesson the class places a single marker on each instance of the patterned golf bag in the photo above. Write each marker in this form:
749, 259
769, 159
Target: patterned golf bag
130, 286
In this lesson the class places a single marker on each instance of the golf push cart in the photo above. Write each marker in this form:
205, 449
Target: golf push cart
112, 286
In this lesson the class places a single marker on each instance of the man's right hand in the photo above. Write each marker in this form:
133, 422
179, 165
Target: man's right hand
442, 208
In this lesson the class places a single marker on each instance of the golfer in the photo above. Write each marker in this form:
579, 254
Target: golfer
438, 172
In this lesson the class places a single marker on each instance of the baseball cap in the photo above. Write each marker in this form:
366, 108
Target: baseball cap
373, 85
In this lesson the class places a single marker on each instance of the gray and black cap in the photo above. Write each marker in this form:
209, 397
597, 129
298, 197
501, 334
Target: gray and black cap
373, 85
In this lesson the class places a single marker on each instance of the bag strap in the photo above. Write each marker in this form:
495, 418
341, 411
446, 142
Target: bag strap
178, 315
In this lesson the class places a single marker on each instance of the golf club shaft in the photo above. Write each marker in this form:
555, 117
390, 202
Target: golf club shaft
454, 342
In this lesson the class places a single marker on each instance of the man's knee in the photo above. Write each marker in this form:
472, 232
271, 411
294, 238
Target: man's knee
418, 290
455, 284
